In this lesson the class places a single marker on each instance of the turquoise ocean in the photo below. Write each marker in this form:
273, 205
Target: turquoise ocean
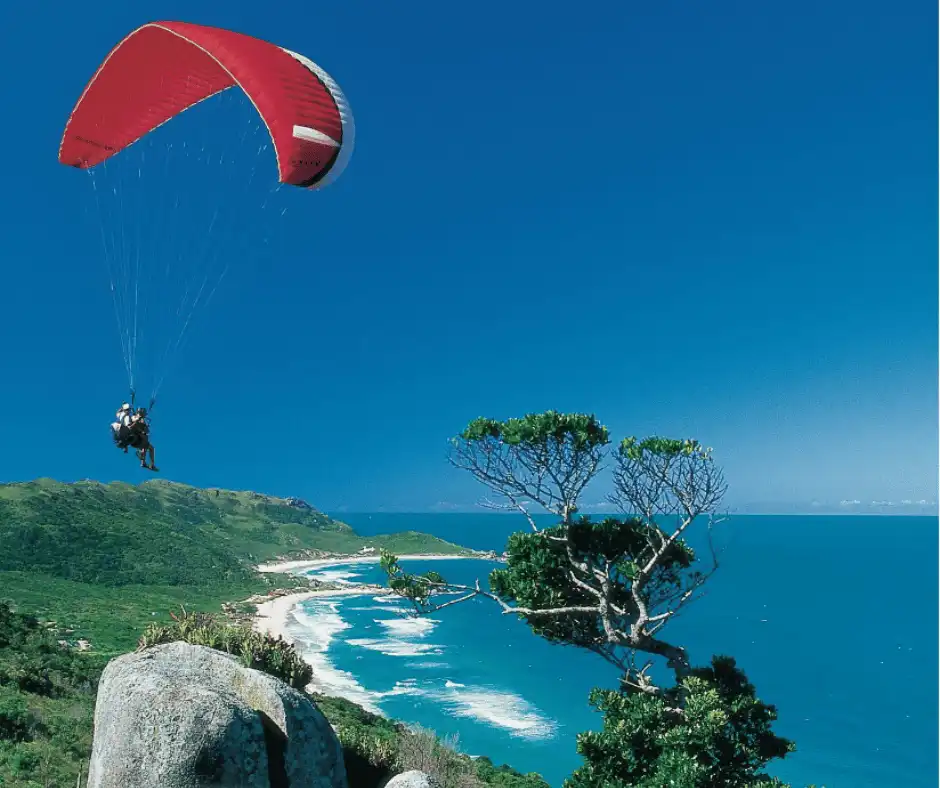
834, 619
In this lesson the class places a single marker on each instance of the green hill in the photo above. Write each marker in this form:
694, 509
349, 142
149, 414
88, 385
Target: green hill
163, 533
104, 560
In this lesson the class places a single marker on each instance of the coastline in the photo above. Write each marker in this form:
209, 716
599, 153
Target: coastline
293, 567
273, 617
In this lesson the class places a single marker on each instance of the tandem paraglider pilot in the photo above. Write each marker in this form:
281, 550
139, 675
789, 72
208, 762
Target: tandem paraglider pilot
171, 67
132, 430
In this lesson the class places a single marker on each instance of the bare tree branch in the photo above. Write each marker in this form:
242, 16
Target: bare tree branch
551, 469
477, 591
620, 582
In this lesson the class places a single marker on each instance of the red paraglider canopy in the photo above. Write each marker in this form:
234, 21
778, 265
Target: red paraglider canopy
163, 68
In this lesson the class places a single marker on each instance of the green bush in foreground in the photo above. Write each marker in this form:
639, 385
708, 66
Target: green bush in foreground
722, 738
253, 649
376, 748
421, 750
47, 701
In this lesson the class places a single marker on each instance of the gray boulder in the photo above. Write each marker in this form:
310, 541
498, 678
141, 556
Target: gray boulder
182, 716
412, 779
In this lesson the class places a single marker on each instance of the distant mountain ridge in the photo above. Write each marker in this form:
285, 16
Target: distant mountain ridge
166, 533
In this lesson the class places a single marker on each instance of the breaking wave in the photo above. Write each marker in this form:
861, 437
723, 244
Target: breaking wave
395, 647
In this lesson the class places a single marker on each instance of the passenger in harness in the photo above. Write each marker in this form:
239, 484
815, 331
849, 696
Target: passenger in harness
121, 427
140, 438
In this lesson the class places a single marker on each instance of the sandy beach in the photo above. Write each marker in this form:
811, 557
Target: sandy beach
272, 616
293, 567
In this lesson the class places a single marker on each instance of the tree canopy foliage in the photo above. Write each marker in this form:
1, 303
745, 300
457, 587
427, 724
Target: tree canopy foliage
47, 697
608, 586
722, 737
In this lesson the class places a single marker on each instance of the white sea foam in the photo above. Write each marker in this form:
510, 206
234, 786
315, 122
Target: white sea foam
382, 608
387, 599
313, 627
408, 627
317, 622
487, 705
395, 647
504, 710
335, 575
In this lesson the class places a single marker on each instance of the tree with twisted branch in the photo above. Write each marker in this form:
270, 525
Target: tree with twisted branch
608, 586
612, 586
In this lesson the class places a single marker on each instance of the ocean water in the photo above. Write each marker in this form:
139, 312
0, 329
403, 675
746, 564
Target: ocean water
834, 619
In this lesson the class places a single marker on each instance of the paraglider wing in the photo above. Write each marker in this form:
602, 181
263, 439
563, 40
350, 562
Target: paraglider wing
163, 68
176, 197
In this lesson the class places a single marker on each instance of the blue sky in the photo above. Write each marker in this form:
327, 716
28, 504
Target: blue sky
711, 220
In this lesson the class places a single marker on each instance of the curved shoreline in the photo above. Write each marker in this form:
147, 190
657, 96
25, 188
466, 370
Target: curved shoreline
295, 567
271, 617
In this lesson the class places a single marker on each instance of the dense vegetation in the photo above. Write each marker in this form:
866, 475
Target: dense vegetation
47, 701
65, 548
161, 533
253, 649
612, 587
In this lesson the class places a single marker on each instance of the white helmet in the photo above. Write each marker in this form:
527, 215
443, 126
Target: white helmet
125, 406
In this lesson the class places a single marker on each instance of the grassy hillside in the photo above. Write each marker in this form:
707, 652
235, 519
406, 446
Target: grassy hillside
105, 560
162, 533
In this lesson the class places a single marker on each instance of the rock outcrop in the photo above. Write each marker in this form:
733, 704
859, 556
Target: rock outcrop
183, 716
412, 779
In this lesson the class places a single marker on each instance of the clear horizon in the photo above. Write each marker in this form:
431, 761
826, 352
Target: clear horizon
922, 508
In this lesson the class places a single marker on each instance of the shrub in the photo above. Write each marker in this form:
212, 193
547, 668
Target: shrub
274, 656
17, 724
721, 736
421, 750
376, 748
